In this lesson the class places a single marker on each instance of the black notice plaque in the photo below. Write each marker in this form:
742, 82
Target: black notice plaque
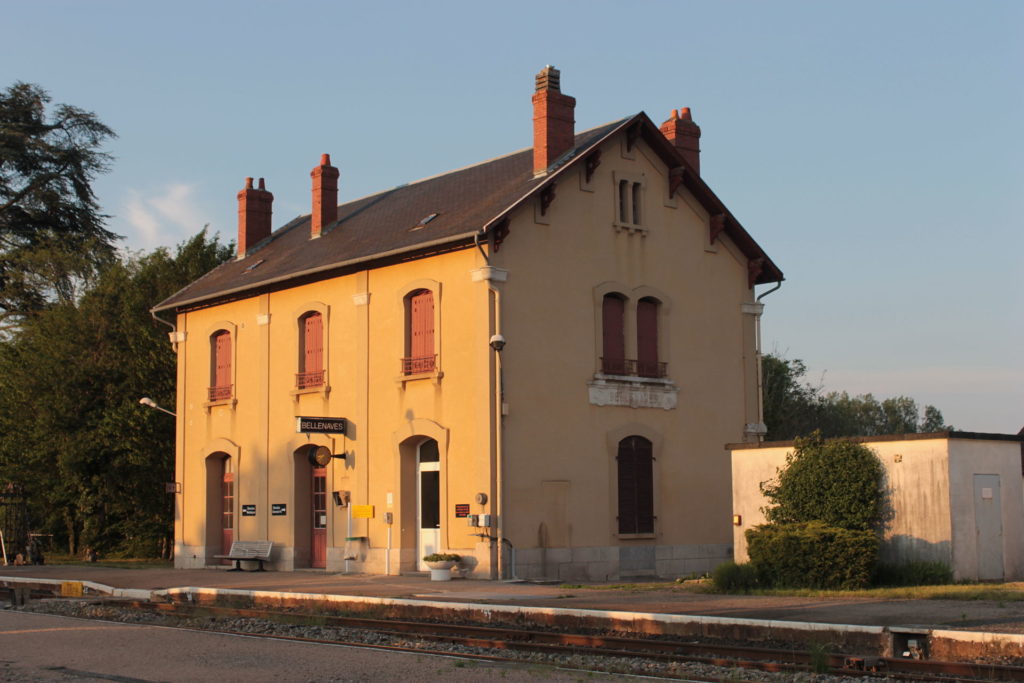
462, 509
248, 510
279, 509
320, 425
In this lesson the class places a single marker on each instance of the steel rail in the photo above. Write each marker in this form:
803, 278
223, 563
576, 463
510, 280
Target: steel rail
730, 656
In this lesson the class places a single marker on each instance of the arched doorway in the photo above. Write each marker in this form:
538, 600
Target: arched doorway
428, 501
220, 504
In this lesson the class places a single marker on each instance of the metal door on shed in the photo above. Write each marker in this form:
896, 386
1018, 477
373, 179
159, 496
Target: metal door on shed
988, 525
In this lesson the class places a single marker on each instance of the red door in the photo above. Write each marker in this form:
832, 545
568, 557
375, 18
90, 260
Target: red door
227, 514
319, 549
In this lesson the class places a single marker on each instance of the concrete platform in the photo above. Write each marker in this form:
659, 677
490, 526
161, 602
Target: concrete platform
656, 609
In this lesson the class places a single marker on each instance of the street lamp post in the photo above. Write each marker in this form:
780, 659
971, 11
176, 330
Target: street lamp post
150, 403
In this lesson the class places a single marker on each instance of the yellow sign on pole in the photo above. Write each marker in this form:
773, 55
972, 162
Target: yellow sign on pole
362, 512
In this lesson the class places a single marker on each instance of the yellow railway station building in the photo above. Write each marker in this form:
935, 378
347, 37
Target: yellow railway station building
534, 362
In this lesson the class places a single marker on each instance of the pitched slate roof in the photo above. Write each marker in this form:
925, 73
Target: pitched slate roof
384, 226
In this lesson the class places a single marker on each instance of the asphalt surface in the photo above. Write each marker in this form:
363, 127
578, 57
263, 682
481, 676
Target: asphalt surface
975, 615
43, 647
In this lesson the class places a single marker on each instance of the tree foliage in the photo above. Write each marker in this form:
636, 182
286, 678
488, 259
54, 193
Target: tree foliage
835, 482
793, 407
52, 234
72, 433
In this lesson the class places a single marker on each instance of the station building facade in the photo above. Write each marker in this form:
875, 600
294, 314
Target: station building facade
534, 362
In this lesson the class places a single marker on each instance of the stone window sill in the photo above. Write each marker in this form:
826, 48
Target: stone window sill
636, 537
230, 402
434, 375
324, 390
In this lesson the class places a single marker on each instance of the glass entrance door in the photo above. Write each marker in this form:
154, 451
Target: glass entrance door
428, 501
318, 554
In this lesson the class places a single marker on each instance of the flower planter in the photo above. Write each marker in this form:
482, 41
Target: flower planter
441, 570
441, 574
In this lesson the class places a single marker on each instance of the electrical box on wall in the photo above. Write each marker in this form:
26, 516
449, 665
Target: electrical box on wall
473, 520
485, 520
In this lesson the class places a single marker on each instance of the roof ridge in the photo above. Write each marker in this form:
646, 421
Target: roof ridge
479, 163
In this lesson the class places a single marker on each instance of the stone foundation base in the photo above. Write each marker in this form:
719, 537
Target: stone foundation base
612, 563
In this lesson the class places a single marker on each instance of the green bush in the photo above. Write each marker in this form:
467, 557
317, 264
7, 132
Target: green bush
917, 573
812, 555
835, 482
730, 577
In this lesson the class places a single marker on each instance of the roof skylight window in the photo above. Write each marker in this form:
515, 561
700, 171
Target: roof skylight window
423, 222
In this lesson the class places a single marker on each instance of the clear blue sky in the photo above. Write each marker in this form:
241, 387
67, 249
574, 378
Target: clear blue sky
874, 149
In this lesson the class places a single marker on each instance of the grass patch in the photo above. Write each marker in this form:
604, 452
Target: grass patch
998, 592
112, 563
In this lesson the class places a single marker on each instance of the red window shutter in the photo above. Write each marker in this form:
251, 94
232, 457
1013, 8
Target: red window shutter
636, 486
647, 337
222, 359
421, 342
614, 352
313, 343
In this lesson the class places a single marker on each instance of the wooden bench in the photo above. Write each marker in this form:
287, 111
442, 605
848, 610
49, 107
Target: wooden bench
252, 551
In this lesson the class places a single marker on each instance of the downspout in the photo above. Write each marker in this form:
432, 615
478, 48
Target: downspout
174, 329
476, 241
757, 356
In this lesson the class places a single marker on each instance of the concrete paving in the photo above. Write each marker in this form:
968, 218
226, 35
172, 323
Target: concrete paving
973, 615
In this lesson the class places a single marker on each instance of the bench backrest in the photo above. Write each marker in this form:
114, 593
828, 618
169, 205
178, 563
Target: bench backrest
251, 549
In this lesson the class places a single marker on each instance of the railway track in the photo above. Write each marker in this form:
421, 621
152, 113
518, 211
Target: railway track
511, 640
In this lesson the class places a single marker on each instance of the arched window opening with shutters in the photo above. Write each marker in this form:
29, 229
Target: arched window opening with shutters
613, 319
636, 486
647, 361
311, 351
420, 355
220, 366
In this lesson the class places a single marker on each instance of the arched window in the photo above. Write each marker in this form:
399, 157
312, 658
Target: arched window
311, 351
220, 366
647, 339
420, 355
613, 312
636, 486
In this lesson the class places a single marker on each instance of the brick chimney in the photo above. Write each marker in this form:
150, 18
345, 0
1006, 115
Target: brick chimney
325, 195
254, 215
682, 132
553, 120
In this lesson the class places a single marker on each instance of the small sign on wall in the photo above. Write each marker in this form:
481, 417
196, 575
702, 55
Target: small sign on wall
248, 510
279, 509
462, 509
362, 512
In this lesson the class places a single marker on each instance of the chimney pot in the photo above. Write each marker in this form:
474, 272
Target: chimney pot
255, 215
684, 134
325, 196
553, 120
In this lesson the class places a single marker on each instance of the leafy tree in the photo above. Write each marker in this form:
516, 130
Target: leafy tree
793, 407
71, 430
52, 233
835, 482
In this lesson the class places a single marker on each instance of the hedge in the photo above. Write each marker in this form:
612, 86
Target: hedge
812, 555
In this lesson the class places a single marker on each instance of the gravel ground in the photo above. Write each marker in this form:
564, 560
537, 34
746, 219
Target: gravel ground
632, 665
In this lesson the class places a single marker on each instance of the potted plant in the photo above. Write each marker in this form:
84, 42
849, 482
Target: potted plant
441, 564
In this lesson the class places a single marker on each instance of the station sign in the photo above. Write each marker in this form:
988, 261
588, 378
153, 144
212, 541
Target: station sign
320, 425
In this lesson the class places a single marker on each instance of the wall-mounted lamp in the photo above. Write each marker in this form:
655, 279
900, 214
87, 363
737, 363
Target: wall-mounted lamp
150, 403
497, 342
737, 520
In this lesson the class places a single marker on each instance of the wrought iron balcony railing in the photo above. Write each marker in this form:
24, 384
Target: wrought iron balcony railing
420, 364
628, 367
219, 393
308, 380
